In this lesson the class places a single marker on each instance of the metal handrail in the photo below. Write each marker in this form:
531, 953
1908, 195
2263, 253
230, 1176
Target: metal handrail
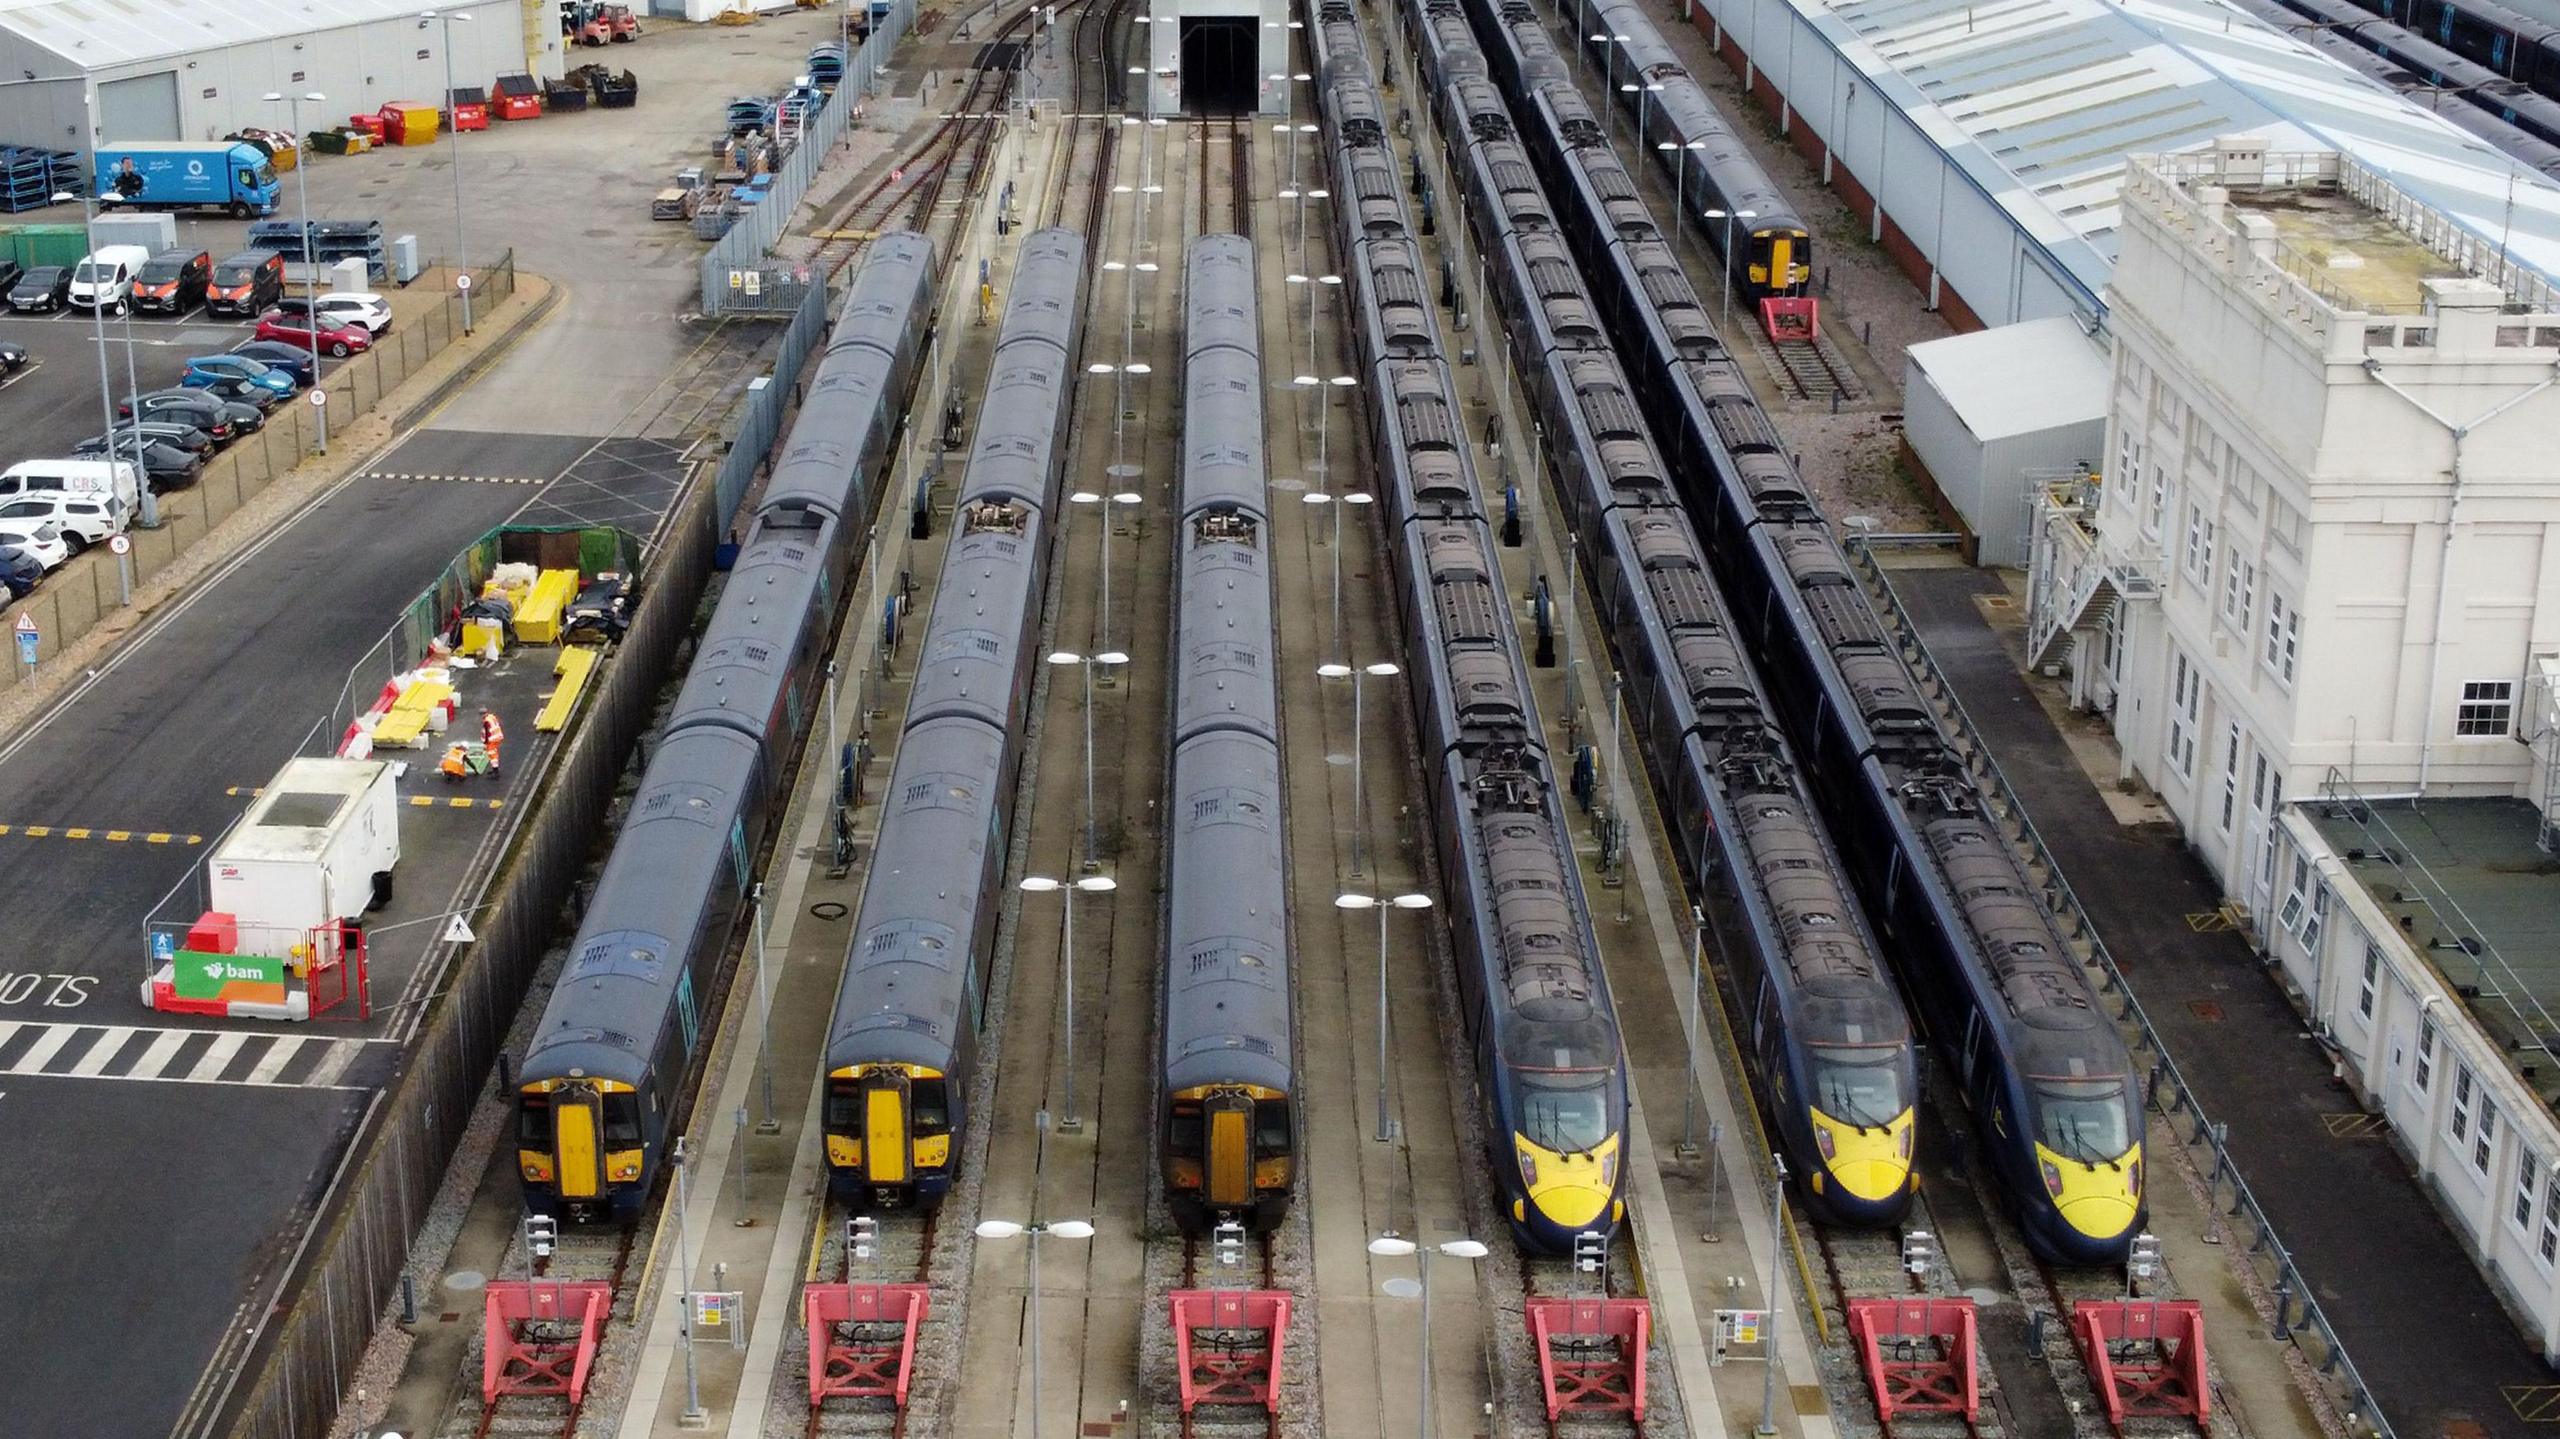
2174, 1097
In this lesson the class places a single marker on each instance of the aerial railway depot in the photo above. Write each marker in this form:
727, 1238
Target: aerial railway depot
1233, 764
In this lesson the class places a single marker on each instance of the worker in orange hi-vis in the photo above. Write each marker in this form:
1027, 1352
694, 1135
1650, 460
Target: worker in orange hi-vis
491, 736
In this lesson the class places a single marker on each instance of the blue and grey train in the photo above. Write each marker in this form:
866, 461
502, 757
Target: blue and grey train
1225, 1127
2058, 1099
1533, 997
1832, 1040
902, 1046
609, 1066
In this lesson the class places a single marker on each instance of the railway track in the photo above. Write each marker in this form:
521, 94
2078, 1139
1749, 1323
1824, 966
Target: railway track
1230, 187
1808, 371
893, 1248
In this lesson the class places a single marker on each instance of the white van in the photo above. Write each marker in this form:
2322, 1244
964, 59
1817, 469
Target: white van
94, 479
106, 277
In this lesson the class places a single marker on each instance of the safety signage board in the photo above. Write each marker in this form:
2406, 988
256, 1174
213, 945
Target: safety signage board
28, 636
231, 978
120, 544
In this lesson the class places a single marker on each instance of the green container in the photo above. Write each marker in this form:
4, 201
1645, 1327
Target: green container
34, 245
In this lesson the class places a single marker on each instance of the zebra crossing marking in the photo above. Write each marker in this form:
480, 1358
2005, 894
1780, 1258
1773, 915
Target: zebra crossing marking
71, 1050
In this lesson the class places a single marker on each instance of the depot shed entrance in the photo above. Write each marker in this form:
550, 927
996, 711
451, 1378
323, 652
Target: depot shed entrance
1219, 56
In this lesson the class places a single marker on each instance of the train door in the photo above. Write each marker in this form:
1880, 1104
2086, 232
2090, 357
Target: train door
884, 1129
576, 1143
1230, 1166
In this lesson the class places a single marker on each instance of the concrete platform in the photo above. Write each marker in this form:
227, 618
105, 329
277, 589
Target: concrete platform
2431, 1340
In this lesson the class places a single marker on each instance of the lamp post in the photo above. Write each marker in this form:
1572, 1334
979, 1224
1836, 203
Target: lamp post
1359, 801
1724, 257
149, 509
1631, 88
1679, 187
1776, 1296
1389, 1246
1609, 58
1090, 884
1102, 638
454, 133
1008, 1229
1320, 497
1368, 901
1310, 282
1070, 657
310, 267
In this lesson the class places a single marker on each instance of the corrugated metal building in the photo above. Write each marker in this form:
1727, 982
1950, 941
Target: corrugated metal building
1985, 139
1991, 415
195, 70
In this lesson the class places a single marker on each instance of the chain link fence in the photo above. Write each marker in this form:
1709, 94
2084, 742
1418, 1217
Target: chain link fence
2297, 1315
738, 276
74, 599
767, 401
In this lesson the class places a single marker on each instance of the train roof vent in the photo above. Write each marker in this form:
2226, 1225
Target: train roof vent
1611, 410
626, 953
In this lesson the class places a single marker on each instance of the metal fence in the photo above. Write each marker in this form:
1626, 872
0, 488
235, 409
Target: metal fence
738, 276
767, 401
75, 598
2297, 1316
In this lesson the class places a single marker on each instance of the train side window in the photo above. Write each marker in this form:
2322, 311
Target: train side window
930, 1105
622, 1119
1270, 1127
533, 1120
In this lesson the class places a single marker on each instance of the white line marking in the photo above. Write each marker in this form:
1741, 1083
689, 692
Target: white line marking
33, 1061
218, 1057
279, 1055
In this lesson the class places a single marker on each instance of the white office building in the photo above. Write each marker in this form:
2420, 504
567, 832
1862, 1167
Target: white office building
2323, 542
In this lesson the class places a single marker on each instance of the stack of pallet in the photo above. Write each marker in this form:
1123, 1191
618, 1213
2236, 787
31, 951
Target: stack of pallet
329, 242
29, 179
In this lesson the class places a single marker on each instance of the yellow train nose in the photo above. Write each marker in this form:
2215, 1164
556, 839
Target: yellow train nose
1570, 1206
1872, 1180
2099, 1216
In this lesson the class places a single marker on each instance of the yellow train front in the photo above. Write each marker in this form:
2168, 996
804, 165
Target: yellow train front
582, 1146
1227, 1152
889, 1129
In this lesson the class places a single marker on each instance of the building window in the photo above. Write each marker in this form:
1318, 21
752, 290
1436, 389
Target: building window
2284, 636
2239, 593
2230, 776
2128, 467
2527, 1170
2487, 709
2549, 1246
2156, 513
2425, 1068
2372, 980
2461, 1101
2319, 916
2296, 893
2187, 690
2482, 1142
2199, 547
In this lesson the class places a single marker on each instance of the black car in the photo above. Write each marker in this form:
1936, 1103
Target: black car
12, 359
19, 571
173, 431
221, 419
240, 390
46, 287
166, 465
276, 355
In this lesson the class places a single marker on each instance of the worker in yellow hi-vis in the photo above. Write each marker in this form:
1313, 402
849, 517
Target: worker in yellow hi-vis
986, 301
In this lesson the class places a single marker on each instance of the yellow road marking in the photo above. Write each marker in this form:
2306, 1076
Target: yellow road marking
2533, 1403
113, 836
75, 834
2209, 921
429, 801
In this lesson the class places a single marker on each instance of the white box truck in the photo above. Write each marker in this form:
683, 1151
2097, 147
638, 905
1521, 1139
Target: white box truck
317, 848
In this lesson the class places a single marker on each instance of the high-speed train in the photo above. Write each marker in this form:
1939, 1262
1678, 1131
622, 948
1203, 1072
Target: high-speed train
608, 1067
1833, 1042
1225, 1130
2517, 90
903, 1043
1550, 1070
2058, 1099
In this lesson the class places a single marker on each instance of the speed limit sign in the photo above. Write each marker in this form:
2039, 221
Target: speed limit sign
119, 544
319, 397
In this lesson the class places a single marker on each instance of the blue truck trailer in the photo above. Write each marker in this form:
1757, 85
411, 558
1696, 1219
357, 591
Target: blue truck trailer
228, 175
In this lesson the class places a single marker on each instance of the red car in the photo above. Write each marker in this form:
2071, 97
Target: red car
340, 340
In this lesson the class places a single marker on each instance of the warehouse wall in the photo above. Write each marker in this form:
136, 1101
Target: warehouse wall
44, 113
358, 67
1973, 260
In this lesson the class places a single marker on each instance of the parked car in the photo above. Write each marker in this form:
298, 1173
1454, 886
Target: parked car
339, 338
246, 284
104, 280
239, 388
294, 360
173, 281
84, 520
170, 432
46, 287
20, 572
37, 540
358, 307
11, 272
169, 466
219, 418
239, 367
13, 358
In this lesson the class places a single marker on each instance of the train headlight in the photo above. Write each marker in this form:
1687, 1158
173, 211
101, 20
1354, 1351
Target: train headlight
1528, 1166
1609, 1169
1902, 1141
1822, 1140
2052, 1177
2133, 1178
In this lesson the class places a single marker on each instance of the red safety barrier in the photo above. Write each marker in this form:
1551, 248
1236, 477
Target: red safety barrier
2146, 1357
1228, 1345
542, 1336
1791, 318
1591, 1355
1919, 1355
862, 1339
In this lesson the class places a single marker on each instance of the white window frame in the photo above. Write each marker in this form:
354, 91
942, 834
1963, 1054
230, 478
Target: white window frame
2484, 1141
2423, 1070
2239, 593
2230, 775
2458, 1123
2296, 897
2485, 703
2283, 638
2528, 1189
2318, 918
2369, 988
2547, 1244
2199, 552
2156, 513
2186, 709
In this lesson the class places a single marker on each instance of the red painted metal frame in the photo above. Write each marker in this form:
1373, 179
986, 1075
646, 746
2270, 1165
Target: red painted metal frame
1228, 1344
1591, 1354
2146, 1358
876, 1360
1796, 318
520, 1359
1932, 1367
